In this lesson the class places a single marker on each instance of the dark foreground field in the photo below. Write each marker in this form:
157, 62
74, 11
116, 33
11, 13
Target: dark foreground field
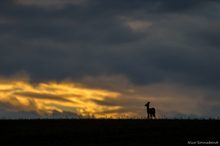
109, 132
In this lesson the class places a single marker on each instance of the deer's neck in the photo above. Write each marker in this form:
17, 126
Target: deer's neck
148, 107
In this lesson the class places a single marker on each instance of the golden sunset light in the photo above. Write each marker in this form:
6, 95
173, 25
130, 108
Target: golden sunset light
44, 98
98, 97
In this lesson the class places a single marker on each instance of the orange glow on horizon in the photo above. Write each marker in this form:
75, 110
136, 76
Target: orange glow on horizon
44, 98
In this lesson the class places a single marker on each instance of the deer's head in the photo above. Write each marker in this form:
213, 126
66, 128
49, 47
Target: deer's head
147, 104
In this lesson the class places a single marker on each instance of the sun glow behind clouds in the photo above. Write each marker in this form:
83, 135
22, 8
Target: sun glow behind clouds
101, 97
136, 25
45, 98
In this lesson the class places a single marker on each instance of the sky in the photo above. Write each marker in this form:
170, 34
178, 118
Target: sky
106, 59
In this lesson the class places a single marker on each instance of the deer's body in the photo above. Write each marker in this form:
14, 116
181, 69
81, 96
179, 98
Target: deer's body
151, 112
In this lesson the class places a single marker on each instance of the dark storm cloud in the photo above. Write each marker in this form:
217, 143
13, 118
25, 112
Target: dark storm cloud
152, 5
146, 40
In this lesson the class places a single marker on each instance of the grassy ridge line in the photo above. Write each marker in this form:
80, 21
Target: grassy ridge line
108, 131
104, 119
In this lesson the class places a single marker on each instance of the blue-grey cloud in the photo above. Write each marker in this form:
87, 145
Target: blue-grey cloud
94, 40
148, 41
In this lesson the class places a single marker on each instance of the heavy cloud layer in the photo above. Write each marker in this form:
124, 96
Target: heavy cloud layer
147, 41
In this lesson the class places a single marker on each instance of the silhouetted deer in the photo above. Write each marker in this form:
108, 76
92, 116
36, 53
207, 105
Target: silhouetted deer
151, 112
